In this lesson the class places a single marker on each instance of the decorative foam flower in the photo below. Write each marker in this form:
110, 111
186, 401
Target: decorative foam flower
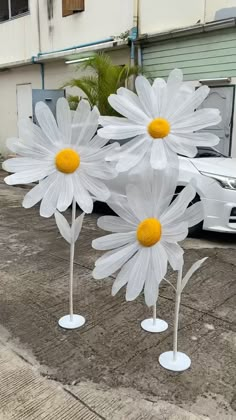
65, 156
146, 234
162, 118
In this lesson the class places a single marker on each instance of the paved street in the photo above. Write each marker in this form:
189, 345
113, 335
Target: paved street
109, 368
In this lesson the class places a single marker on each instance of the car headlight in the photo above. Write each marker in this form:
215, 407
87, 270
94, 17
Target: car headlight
225, 181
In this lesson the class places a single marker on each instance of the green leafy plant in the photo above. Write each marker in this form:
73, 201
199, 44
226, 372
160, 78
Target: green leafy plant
104, 79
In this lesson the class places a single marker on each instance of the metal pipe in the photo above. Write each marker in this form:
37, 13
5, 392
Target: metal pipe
88, 44
133, 36
39, 29
42, 70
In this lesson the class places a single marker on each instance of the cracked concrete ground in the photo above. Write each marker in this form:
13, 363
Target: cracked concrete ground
109, 368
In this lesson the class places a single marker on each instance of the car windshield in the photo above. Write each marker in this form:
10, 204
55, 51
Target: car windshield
208, 152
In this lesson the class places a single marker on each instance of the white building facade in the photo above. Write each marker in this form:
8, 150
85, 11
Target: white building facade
38, 37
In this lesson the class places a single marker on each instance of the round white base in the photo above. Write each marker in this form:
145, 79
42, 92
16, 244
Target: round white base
76, 322
159, 326
181, 363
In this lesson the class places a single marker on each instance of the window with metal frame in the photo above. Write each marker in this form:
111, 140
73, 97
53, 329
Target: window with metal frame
12, 8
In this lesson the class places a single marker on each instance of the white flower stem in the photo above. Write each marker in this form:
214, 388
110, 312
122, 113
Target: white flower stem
72, 253
176, 320
154, 314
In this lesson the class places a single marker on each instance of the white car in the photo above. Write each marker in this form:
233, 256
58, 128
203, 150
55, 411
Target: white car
215, 180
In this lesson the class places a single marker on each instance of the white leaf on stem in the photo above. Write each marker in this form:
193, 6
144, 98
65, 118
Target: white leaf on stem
63, 226
76, 227
190, 272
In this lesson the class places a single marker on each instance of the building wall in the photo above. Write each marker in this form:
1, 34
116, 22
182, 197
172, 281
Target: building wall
202, 56
24, 36
162, 15
18, 39
101, 19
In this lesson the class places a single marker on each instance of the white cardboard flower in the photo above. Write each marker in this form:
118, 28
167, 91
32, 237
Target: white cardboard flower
66, 157
145, 235
162, 118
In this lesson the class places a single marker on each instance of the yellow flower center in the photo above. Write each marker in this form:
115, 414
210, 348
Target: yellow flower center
149, 232
67, 161
159, 128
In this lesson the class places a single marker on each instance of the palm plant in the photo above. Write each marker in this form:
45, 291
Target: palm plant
105, 79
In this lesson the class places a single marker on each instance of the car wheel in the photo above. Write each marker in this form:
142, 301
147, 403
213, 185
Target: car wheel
195, 231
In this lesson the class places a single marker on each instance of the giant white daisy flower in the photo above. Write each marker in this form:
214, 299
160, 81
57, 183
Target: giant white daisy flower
65, 156
162, 118
145, 234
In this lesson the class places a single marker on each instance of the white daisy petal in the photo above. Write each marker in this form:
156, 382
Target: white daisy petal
124, 275
49, 202
32, 134
128, 109
192, 102
159, 86
95, 187
130, 96
114, 262
138, 274
151, 288
26, 177
158, 155
193, 215
47, 122
64, 118
179, 205
159, 261
174, 232
131, 154
89, 127
119, 205
80, 116
115, 240
175, 79
100, 260
146, 95
139, 203
22, 164
93, 155
173, 86
115, 224
66, 193
122, 132
164, 185
181, 145
117, 121
81, 195
199, 139
37, 193
102, 171
97, 142
29, 150
132, 145
196, 121
174, 253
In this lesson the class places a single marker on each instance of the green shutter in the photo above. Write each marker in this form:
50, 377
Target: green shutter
209, 55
